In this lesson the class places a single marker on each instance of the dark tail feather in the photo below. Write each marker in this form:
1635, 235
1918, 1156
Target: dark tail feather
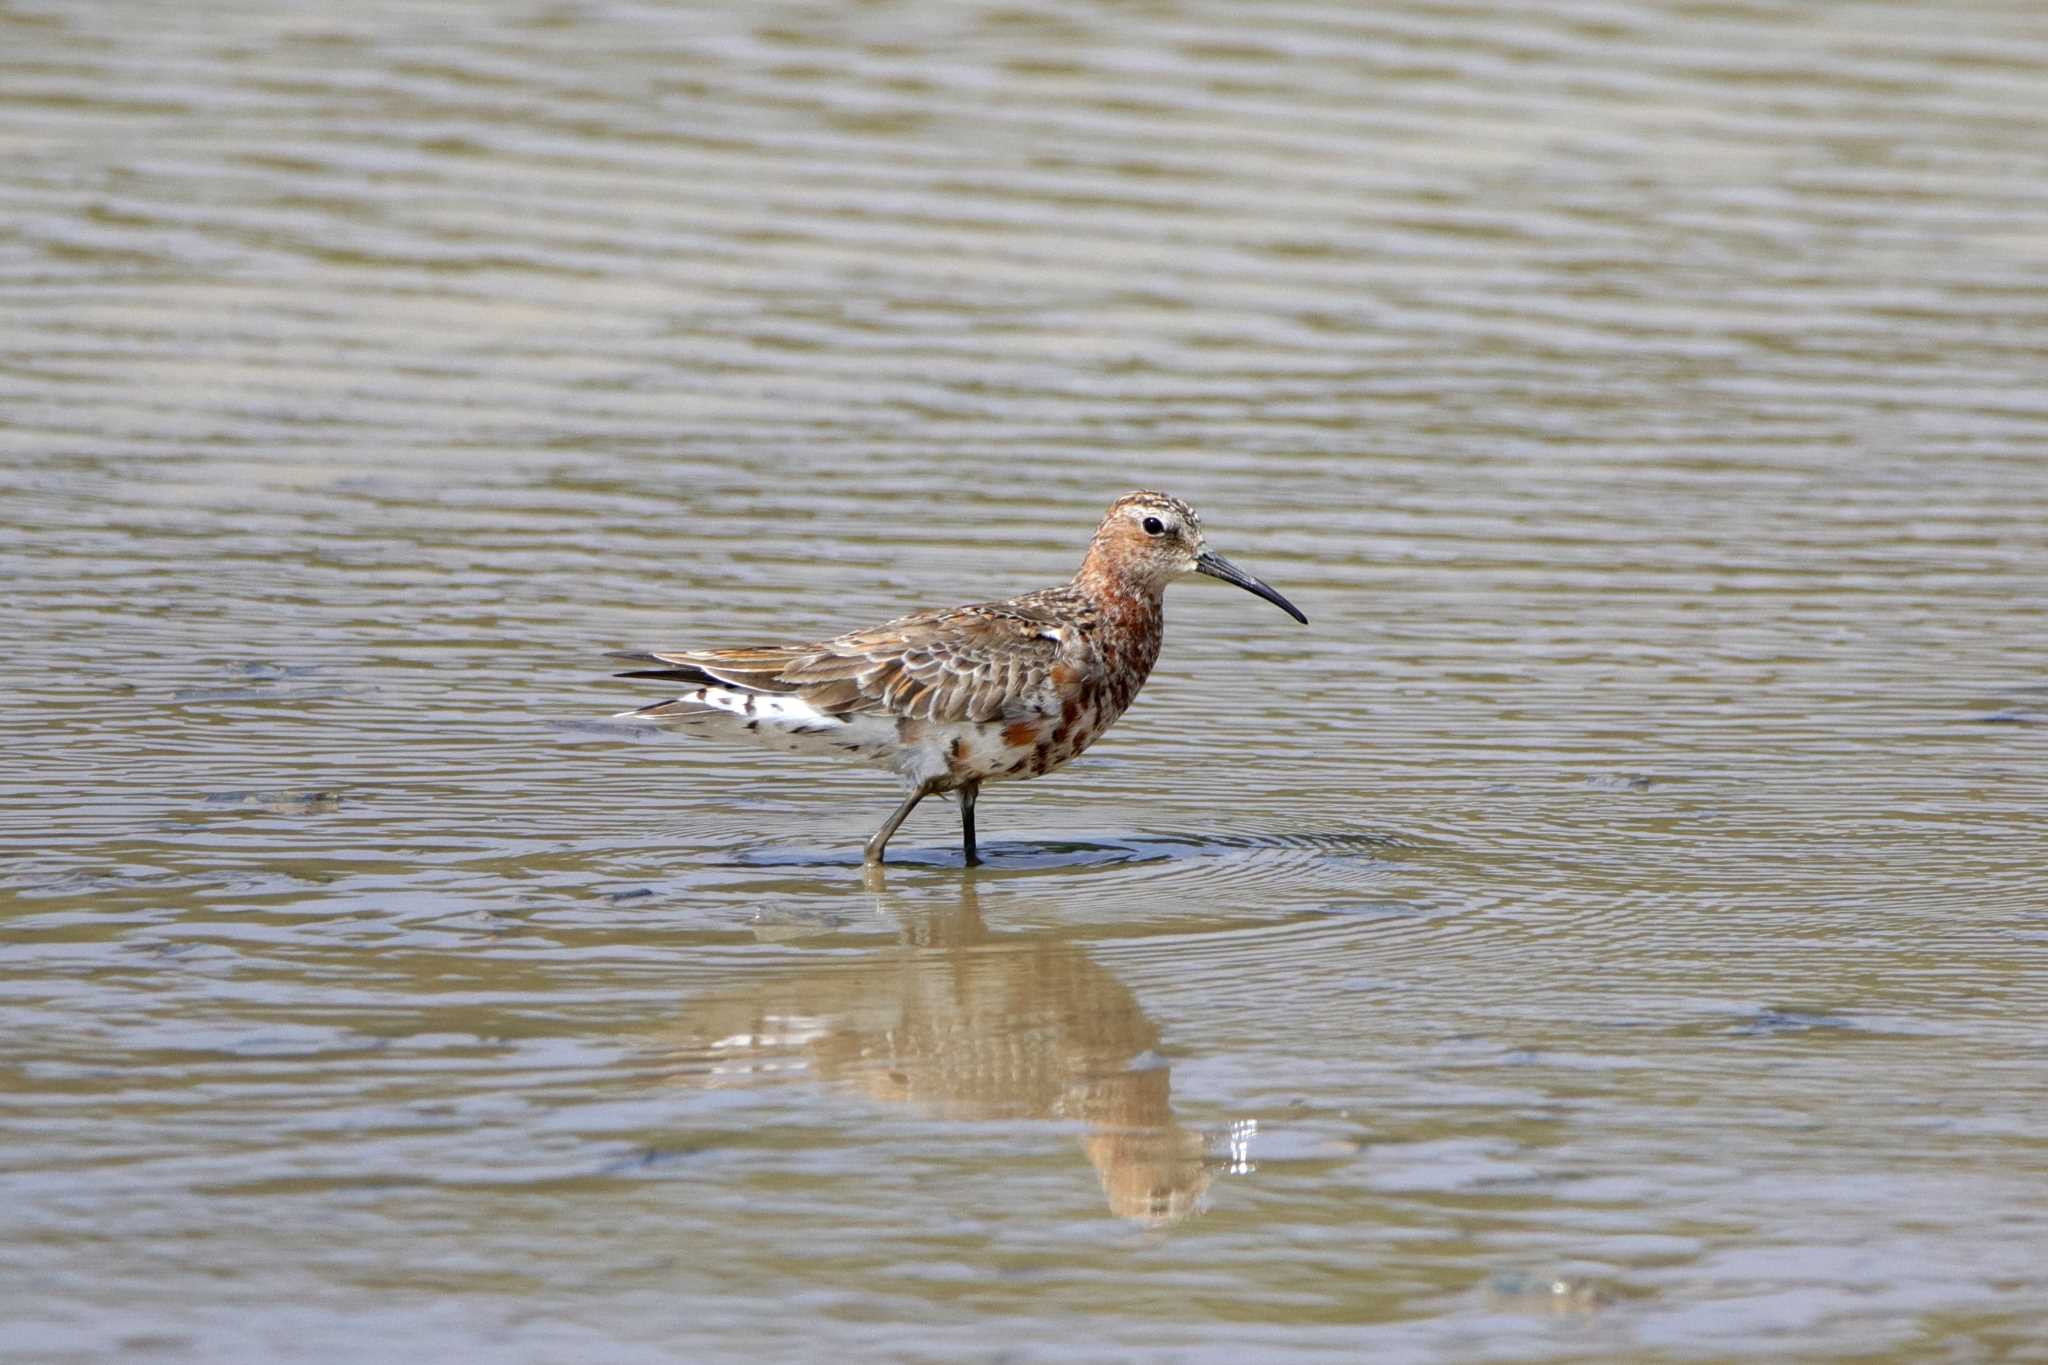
682, 675
676, 706
667, 672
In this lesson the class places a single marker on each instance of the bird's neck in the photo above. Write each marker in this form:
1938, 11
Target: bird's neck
1134, 618
1134, 608
1113, 583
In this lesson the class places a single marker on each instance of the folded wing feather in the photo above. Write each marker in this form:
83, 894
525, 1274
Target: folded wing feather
965, 663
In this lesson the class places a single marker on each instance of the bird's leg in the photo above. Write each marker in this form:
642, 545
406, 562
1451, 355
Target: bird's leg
881, 839
968, 791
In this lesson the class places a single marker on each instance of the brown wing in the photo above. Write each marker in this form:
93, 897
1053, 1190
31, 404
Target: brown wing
963, 663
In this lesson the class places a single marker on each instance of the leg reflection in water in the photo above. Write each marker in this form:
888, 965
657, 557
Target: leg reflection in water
961, 1023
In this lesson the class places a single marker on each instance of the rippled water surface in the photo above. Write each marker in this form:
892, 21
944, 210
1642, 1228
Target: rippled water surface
1615, 929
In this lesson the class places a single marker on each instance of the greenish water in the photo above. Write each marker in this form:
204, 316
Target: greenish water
1614, 930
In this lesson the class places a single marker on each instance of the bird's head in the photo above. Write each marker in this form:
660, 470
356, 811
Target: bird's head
1149, 539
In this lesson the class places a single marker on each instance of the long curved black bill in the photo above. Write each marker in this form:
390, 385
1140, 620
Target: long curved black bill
1216, 566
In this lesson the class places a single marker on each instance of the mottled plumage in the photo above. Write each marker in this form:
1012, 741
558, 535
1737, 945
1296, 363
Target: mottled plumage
953, 698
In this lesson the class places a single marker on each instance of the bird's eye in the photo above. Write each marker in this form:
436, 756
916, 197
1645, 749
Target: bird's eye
1154, 526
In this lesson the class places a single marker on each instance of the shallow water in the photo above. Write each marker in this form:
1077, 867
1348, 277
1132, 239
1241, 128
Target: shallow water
1614, 929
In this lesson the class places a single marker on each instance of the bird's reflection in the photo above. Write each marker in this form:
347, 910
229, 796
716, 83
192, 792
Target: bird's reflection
961, 1023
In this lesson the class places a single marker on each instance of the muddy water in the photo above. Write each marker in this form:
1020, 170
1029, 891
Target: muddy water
1615, 929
